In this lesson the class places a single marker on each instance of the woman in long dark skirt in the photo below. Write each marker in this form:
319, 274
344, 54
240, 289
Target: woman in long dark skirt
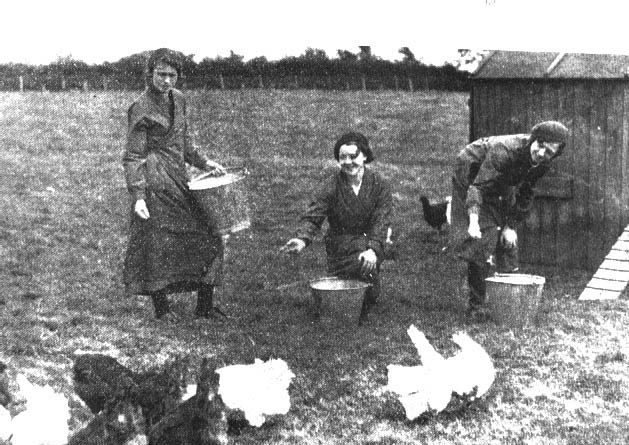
357, 203
171, 247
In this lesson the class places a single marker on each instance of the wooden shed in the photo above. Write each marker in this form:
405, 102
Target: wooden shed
582, 204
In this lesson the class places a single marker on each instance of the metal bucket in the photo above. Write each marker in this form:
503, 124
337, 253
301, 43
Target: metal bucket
513, 299
337, 299
223, 200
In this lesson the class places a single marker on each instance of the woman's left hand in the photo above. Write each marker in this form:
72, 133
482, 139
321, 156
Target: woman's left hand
368, 261
215, 167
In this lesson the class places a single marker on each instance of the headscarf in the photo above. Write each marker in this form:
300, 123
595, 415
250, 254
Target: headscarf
551, 131
359, 140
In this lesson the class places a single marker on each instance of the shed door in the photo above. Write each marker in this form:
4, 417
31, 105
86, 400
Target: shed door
546, 236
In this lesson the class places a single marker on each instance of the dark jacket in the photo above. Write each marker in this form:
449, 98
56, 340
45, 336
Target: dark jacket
495, 177
364, 218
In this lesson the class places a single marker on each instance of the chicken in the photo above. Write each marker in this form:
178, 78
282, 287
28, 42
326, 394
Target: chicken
257, 389
472, 369
99, 378
431, 385
200, 420
421, 388
5, 424
121, 422
45, 419
436, 215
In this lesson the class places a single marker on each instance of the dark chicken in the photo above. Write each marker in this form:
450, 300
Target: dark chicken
200, 420
99, 379
436, 215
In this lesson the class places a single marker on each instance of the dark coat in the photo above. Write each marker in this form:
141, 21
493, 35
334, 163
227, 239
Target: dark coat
356, 222
495, 177
174, 247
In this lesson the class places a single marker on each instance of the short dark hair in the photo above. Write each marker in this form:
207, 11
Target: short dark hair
353, 137
167, 56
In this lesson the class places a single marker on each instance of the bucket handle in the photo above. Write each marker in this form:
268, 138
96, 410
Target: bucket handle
242, 170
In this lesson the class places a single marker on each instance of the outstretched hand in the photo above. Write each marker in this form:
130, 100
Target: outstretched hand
294, 245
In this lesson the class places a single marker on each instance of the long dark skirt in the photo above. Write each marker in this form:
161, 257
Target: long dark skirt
174, 250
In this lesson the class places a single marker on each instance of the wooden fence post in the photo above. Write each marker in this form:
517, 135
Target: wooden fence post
410, 84
63, 83
260, 83
363, 82
86, 85
397, 85
105, 83
221, 81
21, 84
43, 87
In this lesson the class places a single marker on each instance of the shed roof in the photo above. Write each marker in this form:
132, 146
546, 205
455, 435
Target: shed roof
547, 65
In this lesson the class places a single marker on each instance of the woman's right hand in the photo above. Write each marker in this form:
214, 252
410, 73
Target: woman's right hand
294, 245
473, 229
141, 210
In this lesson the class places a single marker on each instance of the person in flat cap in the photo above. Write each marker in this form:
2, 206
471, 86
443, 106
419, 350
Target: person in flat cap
492, 190
357, 203
171, 248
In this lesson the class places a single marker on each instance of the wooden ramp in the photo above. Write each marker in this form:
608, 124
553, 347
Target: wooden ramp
612, 276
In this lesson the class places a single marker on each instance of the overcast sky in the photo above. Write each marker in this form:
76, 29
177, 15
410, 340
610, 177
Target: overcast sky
40, 31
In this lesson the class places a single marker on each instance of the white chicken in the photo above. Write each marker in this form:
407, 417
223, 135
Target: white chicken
258, 389
5, 424
45, 419
471, 368
430, 386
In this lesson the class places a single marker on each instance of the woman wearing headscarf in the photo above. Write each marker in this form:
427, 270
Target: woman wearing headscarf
171, 248
357, 203
492, 191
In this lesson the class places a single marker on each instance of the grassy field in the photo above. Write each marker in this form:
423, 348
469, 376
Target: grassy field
63, 218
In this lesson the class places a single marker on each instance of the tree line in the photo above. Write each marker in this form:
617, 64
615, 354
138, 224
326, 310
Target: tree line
311, 70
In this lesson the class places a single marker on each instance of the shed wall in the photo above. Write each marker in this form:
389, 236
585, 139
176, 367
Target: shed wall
582, 204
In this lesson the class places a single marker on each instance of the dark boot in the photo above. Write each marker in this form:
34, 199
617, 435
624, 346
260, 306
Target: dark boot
371, 299
205, 296
160, 303
476, 274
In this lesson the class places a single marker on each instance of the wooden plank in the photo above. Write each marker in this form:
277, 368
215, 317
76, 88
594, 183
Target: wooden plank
613, 150
615, 265
619, 255
530, 245
607, 274
563, 234
621, 245
596, 167
624, 155
598, 283
580, 148
597, 294
547, 231
568, 239
560, 187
